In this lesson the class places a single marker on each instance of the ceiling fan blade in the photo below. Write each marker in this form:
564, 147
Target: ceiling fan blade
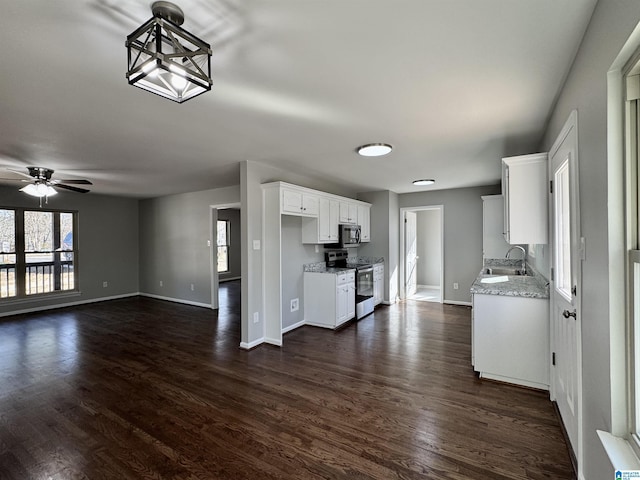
69, 187
18, 172
72, 182
5, 179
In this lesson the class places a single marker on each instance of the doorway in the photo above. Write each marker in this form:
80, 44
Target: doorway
566, 370
421, 245
225, 248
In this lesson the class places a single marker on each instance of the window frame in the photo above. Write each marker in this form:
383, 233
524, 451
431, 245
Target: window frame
225, 246
21, 253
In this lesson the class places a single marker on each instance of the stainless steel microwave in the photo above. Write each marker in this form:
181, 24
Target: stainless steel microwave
349, 235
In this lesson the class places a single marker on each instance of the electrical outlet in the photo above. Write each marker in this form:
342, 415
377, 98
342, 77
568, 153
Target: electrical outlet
192, 287
317, 248
455, 285
295, 305
105, 284
161, 283
256, 317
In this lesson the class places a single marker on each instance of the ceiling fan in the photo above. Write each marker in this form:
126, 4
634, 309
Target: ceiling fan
42, 185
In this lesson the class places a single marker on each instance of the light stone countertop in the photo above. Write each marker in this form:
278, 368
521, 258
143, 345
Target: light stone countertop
321, 267
534, 286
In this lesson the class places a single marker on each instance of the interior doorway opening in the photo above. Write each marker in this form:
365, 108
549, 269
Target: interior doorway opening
225, 247
422, 253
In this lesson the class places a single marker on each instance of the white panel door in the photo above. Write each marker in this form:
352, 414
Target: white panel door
410, 248
565, 292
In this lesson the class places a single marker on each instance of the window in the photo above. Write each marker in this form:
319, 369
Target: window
223, 246
633, 243
37, 252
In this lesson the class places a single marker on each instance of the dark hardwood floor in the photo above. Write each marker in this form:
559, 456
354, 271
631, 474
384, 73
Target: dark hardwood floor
145, 389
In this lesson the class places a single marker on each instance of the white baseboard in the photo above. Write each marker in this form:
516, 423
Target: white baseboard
176, 300
294, 326
250, 345
430, 286
68, 304
455, 302
273, 341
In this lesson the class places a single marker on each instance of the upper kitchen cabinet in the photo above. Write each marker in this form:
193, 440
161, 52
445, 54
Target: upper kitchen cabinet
364, 215
327, 227
348, 213
298, 202
524, 187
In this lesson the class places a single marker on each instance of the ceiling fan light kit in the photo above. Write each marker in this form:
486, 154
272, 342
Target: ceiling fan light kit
165, 59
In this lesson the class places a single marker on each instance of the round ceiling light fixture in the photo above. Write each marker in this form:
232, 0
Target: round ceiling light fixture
424, 181
374, 149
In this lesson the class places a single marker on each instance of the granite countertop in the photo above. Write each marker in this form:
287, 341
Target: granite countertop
321, 267
533, 286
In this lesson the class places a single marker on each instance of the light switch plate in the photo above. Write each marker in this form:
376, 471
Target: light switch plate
256, 244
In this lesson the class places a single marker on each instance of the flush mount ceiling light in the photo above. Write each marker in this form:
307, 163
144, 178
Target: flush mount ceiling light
424, 181
374, 149
165, 59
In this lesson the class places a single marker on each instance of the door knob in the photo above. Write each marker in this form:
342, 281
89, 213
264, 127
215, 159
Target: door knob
567, 314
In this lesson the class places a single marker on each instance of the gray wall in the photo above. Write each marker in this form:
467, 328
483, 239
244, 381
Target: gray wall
429, 247
294, 256
462, 234
174, 231
235, 248
586, 91
385, 226
252, 175
107, 244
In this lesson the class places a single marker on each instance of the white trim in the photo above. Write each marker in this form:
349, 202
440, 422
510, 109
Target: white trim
273, 341
515, 381
402, 262
620, 453
455, 302
250, 345
176, 300
69, 304
430, 286
293, 327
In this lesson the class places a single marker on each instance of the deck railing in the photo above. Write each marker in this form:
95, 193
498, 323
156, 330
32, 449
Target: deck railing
41, 277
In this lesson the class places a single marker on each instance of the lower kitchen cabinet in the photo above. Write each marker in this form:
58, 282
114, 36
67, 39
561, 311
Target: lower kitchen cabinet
378, 283
329, 298
510, 339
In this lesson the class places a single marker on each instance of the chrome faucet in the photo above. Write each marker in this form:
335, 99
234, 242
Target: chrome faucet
524, 257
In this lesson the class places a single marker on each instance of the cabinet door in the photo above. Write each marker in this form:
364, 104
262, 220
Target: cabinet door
364, 222
291, 201
525, 186
342, 303
334, 207
351, 301
348, 212
324, 220
310, 204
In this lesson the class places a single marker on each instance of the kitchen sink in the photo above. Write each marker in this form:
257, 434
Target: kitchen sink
504, 271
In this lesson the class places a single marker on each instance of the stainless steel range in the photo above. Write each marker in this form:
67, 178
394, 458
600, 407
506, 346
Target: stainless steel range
364, 280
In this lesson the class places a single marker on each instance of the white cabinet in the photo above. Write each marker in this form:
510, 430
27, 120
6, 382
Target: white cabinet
324, 227
329, 298
296, 202
510, 339
378, 283
364, 213
348, 212
524, 186
328, 220
494, 244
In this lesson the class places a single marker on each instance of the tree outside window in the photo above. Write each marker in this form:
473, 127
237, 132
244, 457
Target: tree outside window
223, 246
36, 252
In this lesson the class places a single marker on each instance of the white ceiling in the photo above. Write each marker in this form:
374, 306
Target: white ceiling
454, 85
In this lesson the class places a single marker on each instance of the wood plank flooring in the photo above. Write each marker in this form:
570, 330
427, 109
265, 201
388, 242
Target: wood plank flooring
144, 389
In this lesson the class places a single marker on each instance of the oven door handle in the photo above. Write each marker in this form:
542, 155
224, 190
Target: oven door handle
365, 270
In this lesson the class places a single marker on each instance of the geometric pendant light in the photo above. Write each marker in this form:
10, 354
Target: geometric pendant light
165, 59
